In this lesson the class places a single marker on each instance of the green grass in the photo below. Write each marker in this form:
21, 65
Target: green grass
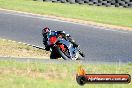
107, 15
15, 74
14, 49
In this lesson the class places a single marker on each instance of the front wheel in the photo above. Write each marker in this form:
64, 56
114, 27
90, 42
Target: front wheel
80, 57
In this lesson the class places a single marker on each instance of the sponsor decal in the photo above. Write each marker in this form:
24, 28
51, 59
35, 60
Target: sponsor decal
83, 78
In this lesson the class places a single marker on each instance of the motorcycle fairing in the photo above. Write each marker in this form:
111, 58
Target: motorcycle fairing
72, 50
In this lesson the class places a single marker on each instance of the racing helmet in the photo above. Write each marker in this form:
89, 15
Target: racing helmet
46, 30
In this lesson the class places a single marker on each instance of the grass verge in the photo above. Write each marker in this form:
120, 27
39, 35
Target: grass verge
15, 74
107, 15
14, 49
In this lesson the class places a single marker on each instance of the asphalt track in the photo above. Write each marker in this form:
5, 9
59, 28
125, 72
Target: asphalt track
98, 43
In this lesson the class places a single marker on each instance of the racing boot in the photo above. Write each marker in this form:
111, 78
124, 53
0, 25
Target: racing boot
47, 48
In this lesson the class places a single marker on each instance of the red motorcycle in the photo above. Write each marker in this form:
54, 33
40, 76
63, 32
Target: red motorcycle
61, 47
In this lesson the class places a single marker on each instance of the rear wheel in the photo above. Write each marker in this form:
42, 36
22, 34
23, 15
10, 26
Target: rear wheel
64, 55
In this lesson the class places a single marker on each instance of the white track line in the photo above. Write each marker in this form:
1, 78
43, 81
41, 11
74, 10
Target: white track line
38, 47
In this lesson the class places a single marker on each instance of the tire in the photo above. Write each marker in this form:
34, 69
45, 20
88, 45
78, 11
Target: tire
122, 3
125, 6
130, 4
80, 1
95, 1
117, 5
104, 3
71, 1
80, 57
90, 3
108, 5
38, 0
113, 2
63, 1
54, 0
46, 0
66, 57
86, 1
62, 54
99, 4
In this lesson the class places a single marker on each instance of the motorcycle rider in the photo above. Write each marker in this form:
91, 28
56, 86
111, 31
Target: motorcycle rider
47, 32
